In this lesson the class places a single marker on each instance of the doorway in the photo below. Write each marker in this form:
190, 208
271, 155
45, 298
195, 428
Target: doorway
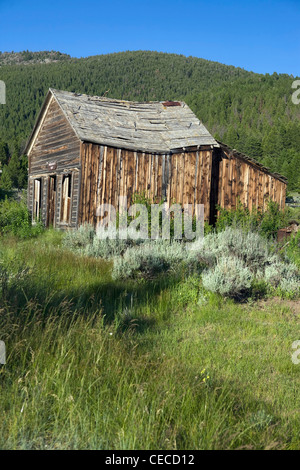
214, 188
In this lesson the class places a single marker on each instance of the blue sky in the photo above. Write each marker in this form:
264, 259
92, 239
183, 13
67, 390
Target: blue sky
258, 35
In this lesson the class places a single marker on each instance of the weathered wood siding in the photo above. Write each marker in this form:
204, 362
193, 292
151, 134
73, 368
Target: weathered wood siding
108, 173
187, 177
56, 151
56, 142
100, 174
240, 180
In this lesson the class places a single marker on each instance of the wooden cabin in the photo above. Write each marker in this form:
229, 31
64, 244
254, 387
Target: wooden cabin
87, 150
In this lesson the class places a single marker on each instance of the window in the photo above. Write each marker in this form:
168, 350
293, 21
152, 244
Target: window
66, 198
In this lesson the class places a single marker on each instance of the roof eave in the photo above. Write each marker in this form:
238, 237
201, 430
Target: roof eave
167, 151
252, 161
38, 119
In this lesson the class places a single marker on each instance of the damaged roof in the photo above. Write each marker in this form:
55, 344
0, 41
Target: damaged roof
158, 127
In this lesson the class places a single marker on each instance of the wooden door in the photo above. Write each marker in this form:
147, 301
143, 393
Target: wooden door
51, 201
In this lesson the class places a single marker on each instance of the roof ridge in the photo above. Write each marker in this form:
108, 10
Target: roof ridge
106, 98
148, 126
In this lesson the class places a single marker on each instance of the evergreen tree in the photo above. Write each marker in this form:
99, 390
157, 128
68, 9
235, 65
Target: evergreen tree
14, 168
5, 180
4, 153
252, 112
23, 172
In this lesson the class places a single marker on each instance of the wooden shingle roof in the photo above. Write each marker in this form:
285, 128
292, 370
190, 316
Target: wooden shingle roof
159, 127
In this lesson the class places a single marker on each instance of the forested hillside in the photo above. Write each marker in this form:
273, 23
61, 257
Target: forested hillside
251, 112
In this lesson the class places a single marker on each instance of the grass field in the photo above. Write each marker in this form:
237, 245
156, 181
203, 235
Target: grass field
94, 363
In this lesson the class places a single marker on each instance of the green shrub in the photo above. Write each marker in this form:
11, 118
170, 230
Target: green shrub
278, 271
15, 219
239, 217
265, 222
237, 262
292, 249
249, 247
283, 276
109, 247
230, 277
85, 241
245, 250
272, 220
149, 259
289, 287
78, 240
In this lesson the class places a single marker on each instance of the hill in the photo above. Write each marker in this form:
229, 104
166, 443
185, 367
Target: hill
250, 112
27, 57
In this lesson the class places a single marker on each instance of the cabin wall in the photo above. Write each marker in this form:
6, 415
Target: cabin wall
109, 172
239, 180
54, 153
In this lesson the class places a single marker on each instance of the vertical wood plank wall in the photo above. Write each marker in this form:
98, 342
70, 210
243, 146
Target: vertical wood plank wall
107, 173
102, 174
56, 142
239, 180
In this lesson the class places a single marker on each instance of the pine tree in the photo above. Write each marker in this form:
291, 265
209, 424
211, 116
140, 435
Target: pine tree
253, 147
5, 180
23, 172
14, 168
4, 153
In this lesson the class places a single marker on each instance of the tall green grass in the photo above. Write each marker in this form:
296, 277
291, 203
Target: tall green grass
94, 363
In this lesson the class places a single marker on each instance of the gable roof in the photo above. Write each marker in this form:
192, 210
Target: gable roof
158, 127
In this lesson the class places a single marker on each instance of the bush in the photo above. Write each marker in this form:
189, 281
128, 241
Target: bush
230, 277
109, 247
249, 247
289, 287
272, 220
15, 219
85, 241
283, 276
265, 222
292, 249
237, 262
278, 271
149, 259
78, 240
245, 253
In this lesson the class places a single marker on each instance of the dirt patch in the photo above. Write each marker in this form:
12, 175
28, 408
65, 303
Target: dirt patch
293, 305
